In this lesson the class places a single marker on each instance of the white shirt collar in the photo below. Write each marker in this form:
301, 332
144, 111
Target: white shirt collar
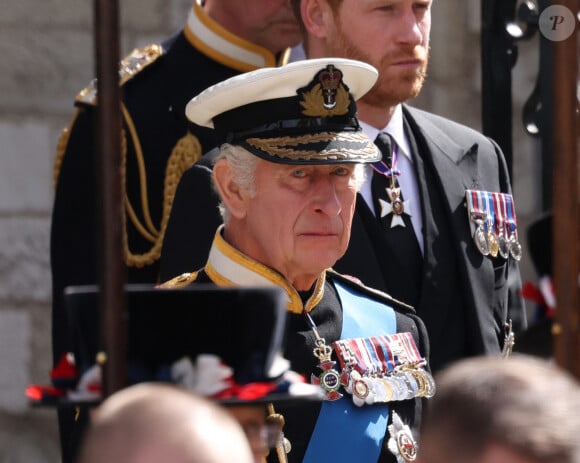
395, 128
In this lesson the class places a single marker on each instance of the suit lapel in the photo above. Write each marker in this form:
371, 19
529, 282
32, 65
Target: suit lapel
455, 165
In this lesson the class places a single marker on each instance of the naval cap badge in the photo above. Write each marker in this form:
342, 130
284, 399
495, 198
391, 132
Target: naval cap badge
330, 79
326, 95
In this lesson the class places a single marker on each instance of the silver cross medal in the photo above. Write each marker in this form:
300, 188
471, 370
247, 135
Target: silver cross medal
397, 207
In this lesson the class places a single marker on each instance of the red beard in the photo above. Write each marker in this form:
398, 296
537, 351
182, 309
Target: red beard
394, 85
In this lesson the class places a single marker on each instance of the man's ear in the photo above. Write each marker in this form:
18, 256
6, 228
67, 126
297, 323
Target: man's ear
230, 192
317, 16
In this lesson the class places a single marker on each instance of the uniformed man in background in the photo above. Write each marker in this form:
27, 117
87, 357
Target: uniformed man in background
221, 38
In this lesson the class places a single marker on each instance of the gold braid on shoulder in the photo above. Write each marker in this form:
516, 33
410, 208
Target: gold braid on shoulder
180, 281
185, 153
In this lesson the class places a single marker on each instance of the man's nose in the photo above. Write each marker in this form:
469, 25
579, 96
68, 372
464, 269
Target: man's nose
409, 30
326, 199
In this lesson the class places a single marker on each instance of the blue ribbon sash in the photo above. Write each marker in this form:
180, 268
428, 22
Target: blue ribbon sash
344, 432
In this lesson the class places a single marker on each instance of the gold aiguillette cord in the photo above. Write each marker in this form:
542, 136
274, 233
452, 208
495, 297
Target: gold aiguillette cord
283, 446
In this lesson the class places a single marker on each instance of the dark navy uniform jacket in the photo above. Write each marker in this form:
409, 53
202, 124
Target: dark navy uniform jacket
226, 267
158, 145
159, 142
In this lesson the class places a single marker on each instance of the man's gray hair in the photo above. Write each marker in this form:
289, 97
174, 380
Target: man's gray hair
243, 165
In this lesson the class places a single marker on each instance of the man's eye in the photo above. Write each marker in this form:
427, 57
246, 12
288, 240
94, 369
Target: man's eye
422, 6
299, 173
341, 171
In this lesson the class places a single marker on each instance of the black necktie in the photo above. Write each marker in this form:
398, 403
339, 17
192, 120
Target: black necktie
404, 269
387, 196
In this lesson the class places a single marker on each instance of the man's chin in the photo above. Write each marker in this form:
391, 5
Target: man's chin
285, 34
388, 95
320, 262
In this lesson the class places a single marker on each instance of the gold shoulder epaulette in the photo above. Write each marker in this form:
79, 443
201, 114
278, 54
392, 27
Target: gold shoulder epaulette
185, 279
129, 67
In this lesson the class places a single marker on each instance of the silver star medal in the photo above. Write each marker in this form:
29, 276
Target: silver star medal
401, 441
397, 207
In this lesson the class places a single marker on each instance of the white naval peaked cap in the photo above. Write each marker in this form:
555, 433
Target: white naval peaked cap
300, 113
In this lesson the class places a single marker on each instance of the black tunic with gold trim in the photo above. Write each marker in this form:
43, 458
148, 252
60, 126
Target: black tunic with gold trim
158, 145
228, 267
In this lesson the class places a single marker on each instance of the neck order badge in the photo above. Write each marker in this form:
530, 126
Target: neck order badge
396, 206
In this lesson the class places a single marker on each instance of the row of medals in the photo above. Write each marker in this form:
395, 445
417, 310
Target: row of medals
405, 382
494, 244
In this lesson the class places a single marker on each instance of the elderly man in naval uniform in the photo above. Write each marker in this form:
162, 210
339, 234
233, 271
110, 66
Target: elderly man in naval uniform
291, 162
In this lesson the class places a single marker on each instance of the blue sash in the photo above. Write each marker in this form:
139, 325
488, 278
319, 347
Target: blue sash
343, 431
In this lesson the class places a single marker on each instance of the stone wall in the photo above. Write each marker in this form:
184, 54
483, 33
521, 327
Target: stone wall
46, 50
